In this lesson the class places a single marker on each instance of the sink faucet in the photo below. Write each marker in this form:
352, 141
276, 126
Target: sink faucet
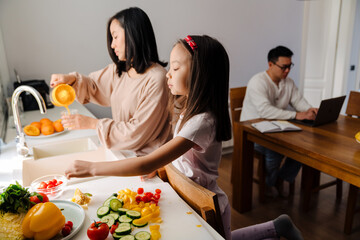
21, 146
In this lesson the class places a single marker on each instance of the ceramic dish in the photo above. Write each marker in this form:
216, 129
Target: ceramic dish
46, 136
72, 212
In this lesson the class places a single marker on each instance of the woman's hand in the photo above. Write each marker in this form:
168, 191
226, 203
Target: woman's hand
79, 168
77, 121
57, 79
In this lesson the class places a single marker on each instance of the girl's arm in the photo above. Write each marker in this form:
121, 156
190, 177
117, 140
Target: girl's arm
132, 166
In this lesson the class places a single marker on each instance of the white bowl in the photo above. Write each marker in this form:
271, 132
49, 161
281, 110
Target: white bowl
51, 191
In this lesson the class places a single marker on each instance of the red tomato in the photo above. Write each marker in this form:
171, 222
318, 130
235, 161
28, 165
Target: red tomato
65, 230
158, 191
42, 185
98, 231
140, 190
145, 199
149, 194
113, 227
36, 200
138, 199
157, 196
70, 224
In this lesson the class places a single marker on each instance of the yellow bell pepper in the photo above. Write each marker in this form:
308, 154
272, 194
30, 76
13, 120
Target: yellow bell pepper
43, 221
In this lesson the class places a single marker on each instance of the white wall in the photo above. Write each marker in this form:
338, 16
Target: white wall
42, 37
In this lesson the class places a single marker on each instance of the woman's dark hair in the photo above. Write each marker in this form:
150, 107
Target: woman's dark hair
279, 51
140, 44
208, 84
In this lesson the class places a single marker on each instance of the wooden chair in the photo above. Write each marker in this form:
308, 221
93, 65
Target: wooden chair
202, 200
237, 96
352, 110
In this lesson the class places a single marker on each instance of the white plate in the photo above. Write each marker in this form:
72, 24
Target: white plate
72, 212
46, 136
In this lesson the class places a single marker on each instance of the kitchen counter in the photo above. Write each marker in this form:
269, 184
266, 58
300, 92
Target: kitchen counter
179, 220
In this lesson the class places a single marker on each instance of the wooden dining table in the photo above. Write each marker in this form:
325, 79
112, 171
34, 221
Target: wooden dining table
330, 148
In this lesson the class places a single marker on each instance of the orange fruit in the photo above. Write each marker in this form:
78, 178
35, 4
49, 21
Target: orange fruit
58, 126
47, 129
45, 120
31, 130
36, 124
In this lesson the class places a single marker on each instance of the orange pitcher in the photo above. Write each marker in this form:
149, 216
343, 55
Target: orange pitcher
63, 95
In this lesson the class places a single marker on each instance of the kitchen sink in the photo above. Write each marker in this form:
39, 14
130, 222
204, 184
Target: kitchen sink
63, 148
54, 158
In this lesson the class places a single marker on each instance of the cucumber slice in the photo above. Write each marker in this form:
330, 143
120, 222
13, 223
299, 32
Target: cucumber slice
115, 215
142, 236
117, 236
102, 211
107, 201
115, 204
127, 237
123, 229
133, 214
122, 211
108, 219
124, 218
139, 225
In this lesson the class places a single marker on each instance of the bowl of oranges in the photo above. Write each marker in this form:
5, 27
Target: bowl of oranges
44, 127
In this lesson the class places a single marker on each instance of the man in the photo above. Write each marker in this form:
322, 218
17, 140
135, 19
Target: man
269, 95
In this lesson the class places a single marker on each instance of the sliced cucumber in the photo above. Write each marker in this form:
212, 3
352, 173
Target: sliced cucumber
115, 204
133, 214
123, 229
142, 235
124, 218
102, 211
122, 211
117, 236
115, 215
108, 219
107, 201
127, 237
139, 225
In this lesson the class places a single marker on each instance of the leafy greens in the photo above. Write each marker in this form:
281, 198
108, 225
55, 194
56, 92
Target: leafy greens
15, 199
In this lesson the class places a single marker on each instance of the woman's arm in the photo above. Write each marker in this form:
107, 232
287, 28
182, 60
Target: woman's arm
132, 166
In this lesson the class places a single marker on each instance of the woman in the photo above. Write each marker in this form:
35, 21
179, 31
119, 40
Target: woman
134, 85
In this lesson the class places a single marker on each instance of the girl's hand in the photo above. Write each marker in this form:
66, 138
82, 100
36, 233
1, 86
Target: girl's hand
77, 121
79, 168
57, 79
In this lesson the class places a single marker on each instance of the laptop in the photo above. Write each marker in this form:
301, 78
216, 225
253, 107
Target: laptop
328, 112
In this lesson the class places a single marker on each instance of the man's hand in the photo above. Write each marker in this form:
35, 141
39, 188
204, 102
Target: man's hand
310, 114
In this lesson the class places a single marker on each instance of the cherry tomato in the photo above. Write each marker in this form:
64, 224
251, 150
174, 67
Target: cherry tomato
157, 196
158, 191
42, 185
140, 190
65, 230
145, 199
36, 198
69, 223
138, 199
98, 231
149, 194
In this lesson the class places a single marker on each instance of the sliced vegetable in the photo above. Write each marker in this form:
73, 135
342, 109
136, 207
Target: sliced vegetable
139, 224
115, 204
142, 235
127, 237
133, 214
124, 218
102, 211
108, 219
115, 215
123, 229
107, 201
122, 211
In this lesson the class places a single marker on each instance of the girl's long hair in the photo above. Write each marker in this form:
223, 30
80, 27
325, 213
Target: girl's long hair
140, 43
208, 85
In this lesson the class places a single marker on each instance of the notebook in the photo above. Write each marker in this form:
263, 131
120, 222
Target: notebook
275, 126
328, 112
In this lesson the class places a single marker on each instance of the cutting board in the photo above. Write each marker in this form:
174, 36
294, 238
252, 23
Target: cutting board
179, 220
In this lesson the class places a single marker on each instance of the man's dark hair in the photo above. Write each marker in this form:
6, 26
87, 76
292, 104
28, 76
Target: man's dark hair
279, 51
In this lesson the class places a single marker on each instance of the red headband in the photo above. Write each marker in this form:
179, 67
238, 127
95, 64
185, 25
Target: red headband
191, 43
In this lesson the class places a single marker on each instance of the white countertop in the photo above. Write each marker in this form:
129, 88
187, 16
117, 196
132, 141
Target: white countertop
179, 220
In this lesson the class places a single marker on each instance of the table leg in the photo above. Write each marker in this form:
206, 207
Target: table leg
243, 174
350, 208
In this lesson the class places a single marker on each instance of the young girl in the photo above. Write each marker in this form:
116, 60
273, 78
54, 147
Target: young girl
199, 80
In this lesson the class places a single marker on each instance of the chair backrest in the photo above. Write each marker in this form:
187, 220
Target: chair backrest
353, 106
237, 96
202, 200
